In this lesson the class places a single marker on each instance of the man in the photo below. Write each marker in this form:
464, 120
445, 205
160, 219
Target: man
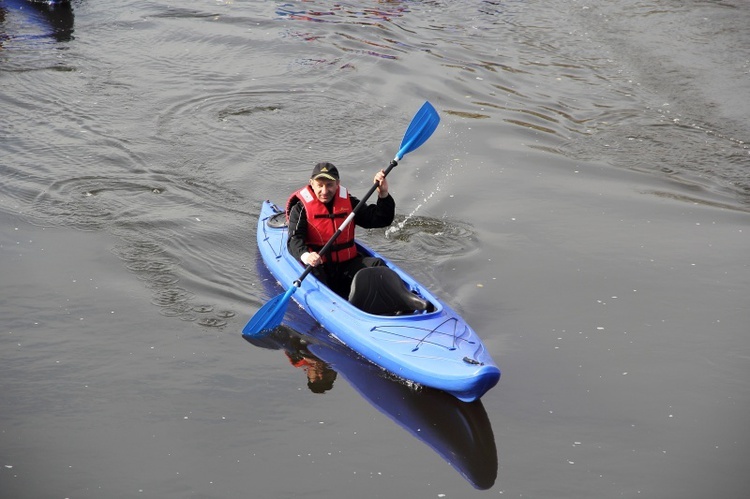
317, 210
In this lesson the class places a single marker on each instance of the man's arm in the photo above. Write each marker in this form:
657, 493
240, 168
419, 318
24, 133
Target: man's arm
373, 216
297, 231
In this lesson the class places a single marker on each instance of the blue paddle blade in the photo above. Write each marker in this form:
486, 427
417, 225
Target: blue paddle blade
270, 315
421, 127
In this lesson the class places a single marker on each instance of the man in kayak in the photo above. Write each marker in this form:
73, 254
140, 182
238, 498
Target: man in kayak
317, 210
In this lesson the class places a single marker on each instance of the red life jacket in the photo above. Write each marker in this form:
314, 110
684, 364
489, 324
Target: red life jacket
322, 224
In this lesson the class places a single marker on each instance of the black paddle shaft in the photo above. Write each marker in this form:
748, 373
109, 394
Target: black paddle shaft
349, 219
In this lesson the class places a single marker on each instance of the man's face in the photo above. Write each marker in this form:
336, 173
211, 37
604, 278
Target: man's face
324, 189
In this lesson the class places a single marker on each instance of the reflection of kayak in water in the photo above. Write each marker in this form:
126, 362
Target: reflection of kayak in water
459, 432
40, 19
390, 319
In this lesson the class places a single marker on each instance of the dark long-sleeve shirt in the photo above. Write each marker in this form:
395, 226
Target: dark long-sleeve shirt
371, 216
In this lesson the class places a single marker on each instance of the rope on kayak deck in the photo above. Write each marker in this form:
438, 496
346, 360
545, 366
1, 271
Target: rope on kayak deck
436, 331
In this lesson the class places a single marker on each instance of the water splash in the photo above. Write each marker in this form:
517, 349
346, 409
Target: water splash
394, 230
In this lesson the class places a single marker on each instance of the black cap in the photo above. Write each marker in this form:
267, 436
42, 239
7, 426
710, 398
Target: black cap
325, 170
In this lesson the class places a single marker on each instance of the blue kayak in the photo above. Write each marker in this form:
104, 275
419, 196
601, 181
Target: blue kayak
390, 319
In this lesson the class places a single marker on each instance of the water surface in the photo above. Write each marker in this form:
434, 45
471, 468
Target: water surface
584, 205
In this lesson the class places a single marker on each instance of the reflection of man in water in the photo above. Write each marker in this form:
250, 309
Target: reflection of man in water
320, 376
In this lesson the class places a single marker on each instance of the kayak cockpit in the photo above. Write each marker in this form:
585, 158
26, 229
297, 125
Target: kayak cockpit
375, 290
380, 291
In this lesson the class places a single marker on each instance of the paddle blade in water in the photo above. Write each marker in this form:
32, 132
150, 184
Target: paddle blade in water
421, 127
270, 315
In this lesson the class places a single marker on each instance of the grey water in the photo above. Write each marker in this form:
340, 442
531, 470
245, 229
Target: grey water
584, 204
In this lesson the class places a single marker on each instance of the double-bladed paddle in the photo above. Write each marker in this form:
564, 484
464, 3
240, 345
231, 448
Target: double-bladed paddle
272, 313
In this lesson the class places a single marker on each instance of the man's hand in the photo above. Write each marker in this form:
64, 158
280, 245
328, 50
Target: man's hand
382, 184
311, 258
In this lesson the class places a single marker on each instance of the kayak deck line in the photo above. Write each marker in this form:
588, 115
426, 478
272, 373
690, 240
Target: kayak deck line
424, 339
